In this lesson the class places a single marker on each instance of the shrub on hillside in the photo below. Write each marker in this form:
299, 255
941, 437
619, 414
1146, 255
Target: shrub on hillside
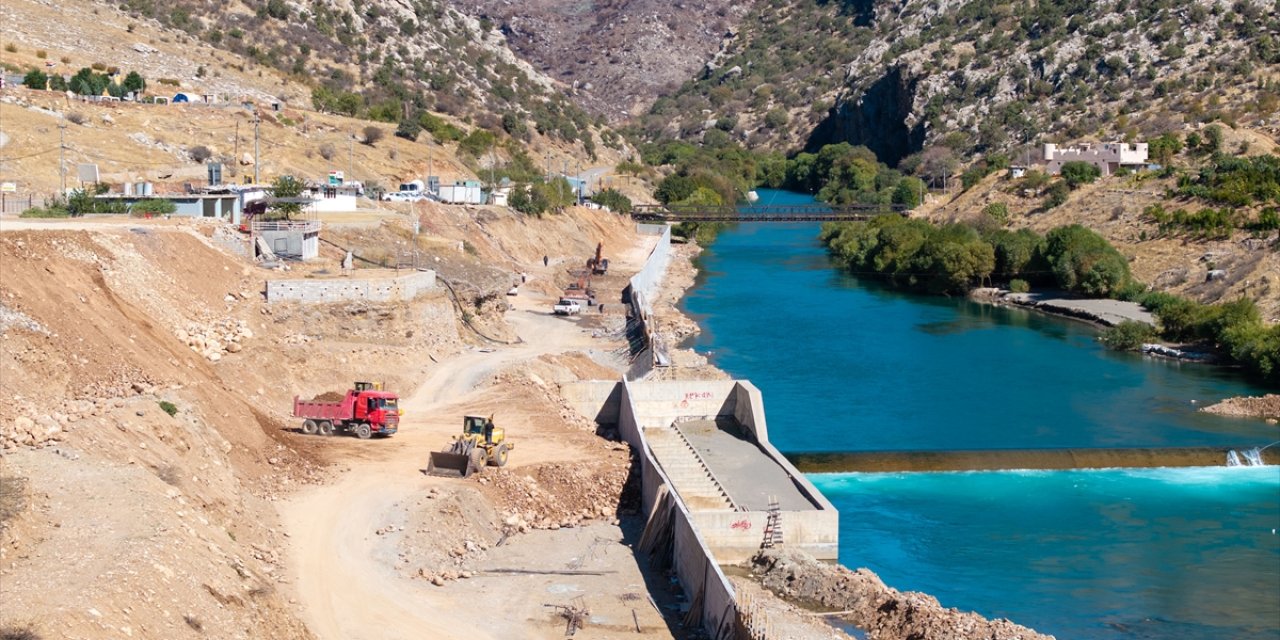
1057, 195
408, 129
997, 211
200, 153
75, 117
36, 79
372, 134
327, 151
1077, 173
614, 200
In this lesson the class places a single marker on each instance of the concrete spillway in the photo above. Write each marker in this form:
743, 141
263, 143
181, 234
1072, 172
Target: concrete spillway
996, 459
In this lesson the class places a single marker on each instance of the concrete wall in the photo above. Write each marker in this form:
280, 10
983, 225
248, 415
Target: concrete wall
599, 400
749, 411
659, 403
692, 559
646, 281
405, 287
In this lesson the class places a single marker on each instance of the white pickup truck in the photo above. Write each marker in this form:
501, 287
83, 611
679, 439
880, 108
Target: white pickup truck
567, 307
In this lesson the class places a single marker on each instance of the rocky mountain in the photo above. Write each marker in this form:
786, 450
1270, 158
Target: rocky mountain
979, 75
616, 56
385, 59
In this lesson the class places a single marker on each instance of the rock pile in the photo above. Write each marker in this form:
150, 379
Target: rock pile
551, 496
213, 340
1266, 407
883, 612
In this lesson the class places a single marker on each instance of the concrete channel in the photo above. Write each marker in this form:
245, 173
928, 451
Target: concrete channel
709, 477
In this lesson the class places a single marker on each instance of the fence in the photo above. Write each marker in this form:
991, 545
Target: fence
19, 202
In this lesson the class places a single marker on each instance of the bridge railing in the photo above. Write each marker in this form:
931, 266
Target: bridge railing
763, 213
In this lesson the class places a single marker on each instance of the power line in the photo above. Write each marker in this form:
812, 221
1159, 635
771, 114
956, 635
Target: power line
30, 155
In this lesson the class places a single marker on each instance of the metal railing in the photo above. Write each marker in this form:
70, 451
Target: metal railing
763, 213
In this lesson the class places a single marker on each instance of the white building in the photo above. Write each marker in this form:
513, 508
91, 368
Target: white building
1108, 157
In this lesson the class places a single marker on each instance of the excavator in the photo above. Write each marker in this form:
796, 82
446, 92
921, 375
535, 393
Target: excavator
481, 443
598, 264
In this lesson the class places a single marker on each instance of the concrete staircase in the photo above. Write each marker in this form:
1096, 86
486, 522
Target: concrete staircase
693, 481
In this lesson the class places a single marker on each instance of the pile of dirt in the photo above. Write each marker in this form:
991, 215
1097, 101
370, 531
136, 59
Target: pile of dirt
330, 396
883, 612
446, 532
1266, 407
552, 496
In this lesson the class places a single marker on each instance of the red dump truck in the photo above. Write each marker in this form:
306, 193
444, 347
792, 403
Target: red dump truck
366, 411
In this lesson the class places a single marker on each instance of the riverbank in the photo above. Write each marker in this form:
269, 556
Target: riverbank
1102, 312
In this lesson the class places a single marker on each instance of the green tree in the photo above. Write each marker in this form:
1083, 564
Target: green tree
134, 83
57, 83
1165, 147
674, 188
278, 9
909, 192
1212, 139
1084, 262
36, 79
613, 199
1078, 173
702, 197
1057, 195
408, 129
285, 187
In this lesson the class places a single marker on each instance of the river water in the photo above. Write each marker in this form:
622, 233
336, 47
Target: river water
846, 365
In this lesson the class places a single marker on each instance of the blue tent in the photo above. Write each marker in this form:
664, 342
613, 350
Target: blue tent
180, 97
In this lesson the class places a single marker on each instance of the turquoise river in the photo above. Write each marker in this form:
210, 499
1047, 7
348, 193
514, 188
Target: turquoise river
846, 365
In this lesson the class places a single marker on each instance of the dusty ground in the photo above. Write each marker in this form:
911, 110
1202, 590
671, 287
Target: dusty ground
118, 518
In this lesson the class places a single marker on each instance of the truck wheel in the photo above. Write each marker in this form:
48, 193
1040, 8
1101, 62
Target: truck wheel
363, 431
326, 428
309, 427
499, 456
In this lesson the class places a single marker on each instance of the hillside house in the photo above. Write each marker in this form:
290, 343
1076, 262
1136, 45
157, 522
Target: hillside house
1108, 157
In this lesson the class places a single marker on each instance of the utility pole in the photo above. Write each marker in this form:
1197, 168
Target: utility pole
62, 154
235, 156
256, 162
351, 154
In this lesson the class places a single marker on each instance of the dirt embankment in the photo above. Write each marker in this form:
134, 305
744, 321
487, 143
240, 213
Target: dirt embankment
883, 612
1266, 407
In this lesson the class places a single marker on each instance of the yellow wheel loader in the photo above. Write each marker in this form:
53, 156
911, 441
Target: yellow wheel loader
480, 444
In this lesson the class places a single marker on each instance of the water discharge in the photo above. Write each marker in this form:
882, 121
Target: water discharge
848, 366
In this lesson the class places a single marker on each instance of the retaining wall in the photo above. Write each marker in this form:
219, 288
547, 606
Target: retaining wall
405, 287
692, 559
640, 291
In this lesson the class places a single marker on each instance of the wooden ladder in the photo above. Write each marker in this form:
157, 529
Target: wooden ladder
773, 526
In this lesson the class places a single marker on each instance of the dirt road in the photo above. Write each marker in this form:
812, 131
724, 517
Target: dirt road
345, 573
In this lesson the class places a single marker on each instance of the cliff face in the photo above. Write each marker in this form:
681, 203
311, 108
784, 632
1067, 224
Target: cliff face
616, 56
879, 118
979, 74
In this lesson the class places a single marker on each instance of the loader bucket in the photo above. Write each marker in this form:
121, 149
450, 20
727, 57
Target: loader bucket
450, 465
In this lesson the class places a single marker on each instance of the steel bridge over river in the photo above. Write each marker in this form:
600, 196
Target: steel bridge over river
764, 213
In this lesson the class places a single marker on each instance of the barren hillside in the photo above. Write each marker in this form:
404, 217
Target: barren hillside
147, 437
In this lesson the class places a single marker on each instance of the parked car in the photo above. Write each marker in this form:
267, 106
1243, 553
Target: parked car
567, 307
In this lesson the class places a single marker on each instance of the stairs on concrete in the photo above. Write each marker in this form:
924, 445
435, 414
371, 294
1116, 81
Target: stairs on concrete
688, 473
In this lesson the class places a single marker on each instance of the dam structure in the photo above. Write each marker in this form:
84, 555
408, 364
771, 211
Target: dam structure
714, 488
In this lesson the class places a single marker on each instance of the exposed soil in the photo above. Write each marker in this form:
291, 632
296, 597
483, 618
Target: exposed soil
142, 468
1266, 407
883, 612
